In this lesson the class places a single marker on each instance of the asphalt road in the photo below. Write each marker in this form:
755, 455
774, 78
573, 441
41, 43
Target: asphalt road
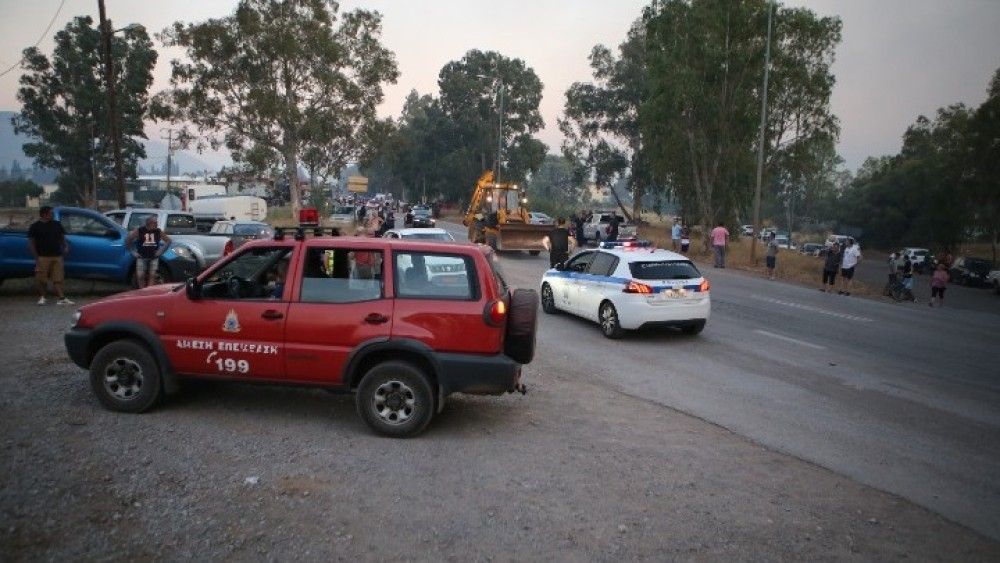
902, 397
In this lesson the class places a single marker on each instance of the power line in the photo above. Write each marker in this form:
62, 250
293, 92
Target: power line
40, 37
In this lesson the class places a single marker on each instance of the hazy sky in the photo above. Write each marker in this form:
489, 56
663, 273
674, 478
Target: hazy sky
898, 58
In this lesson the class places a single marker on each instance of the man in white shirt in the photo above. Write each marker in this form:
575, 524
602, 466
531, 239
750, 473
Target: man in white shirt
852, 255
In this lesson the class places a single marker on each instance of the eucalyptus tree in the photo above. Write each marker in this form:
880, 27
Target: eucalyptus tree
260, 80
601, 119
64, 109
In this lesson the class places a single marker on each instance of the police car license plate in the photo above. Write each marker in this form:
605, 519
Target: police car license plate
671, 293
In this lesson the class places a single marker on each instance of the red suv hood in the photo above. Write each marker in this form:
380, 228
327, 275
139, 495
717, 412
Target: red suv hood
161, 289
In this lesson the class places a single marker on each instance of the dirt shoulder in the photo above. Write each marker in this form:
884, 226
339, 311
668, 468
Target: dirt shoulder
574, 470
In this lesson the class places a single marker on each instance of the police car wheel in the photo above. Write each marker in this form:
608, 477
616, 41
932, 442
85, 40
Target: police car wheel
548, 300
610, 325
395, 399
125, 377
534, 252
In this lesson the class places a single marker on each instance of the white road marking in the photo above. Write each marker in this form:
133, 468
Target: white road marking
790, 339
837, 314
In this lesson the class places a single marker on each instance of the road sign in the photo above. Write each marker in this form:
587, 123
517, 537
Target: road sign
357, 184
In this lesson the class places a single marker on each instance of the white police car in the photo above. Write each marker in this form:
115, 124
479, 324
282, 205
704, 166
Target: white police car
626, 285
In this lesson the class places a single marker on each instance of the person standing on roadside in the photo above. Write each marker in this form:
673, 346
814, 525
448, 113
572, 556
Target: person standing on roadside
579, 221
685, 239
48, 244
558, 243
772, 255
613, 225
850, 259
720, 238
939, 281
830, 266
675, 234
907, 272
147, 251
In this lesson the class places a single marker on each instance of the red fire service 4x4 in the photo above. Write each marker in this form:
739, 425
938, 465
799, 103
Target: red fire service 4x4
401, 324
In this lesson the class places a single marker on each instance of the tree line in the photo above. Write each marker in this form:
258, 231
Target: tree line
671, 113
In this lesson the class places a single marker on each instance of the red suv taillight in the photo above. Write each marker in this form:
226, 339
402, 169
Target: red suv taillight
495, 312
637, 287
228, 249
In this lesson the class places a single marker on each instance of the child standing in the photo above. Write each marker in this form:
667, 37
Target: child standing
939, 281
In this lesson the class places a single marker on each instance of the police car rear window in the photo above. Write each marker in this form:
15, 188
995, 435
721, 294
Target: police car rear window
664, 270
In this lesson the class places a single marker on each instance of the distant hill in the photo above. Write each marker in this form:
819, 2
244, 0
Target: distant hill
156, 151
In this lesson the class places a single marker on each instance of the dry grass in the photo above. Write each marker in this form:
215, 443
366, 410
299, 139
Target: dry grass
792, 265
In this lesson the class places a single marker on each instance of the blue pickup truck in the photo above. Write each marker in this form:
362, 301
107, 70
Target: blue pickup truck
96, 248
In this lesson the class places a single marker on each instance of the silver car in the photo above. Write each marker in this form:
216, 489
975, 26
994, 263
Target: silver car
345, 218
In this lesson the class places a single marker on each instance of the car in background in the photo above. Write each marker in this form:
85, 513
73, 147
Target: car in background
746, 230
185, 238
812, 249
539, 218
427, 234
241, 232
96, 248
920, 258
419, 216
840, 240
970, 271
627, 285
345, 218
993, 278
784, 242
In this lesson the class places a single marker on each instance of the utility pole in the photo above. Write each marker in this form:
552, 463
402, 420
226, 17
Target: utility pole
170, 152
91, 200
109, 76
760, 142
496, 176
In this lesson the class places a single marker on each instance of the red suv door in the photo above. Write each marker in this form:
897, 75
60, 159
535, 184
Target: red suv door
339, 304
237, 326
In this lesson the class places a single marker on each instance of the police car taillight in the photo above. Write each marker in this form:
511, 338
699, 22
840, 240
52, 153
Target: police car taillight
495, 313
228, 249
705, 286
637, 287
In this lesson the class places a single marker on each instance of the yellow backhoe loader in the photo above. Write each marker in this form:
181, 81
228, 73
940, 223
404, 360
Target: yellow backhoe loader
498, 216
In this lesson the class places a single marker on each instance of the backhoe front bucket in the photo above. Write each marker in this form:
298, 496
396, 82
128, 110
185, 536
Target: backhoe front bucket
521, 236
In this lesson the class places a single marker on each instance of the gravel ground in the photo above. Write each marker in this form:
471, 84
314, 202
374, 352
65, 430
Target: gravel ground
575, 470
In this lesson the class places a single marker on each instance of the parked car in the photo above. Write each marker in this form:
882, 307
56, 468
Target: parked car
628, 285
970, 271
539, 218
746, 230
96, 248
182, 228
993, 278
784, 242
351, 314
596, 227
812, 248
920, 258
840, 240
240, 232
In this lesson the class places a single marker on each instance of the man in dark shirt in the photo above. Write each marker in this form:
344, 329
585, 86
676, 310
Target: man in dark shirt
558, 243
579, 221
47, 241
613, 226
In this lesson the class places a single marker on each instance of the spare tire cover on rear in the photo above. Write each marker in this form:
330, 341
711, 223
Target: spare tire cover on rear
522, 321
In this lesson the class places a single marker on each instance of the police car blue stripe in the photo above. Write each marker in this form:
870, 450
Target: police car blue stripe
611, 279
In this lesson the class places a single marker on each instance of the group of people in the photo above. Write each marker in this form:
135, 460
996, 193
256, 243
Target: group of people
902, 268
843, 260
49, 246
